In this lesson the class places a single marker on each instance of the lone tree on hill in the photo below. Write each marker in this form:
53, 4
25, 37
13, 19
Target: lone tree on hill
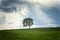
27, 22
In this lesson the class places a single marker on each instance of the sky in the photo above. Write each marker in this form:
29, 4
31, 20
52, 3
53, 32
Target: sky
45, 13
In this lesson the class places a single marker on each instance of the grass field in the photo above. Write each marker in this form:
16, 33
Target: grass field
30, 34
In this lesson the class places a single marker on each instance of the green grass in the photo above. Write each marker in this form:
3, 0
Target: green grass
30, 34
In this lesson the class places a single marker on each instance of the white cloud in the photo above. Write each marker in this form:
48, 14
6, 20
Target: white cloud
44, 2
14, 19
41, 16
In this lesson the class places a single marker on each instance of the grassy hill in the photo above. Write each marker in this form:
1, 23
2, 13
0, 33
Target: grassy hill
31, 34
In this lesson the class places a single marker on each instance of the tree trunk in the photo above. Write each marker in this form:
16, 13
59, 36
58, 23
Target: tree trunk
29, 24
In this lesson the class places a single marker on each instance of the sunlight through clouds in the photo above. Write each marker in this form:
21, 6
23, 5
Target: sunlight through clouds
17, 10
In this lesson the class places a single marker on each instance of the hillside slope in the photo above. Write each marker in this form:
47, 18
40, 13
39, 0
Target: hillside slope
30, 34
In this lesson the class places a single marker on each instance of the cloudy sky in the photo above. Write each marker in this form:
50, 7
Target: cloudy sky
45, 13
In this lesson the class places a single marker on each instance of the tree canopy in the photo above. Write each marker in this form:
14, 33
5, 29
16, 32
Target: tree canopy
27, 22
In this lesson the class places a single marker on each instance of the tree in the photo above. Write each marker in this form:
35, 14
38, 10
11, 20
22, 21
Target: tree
27, 22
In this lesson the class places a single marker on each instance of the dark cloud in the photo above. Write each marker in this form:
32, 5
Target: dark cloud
53, 12
8, 9
10, 5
